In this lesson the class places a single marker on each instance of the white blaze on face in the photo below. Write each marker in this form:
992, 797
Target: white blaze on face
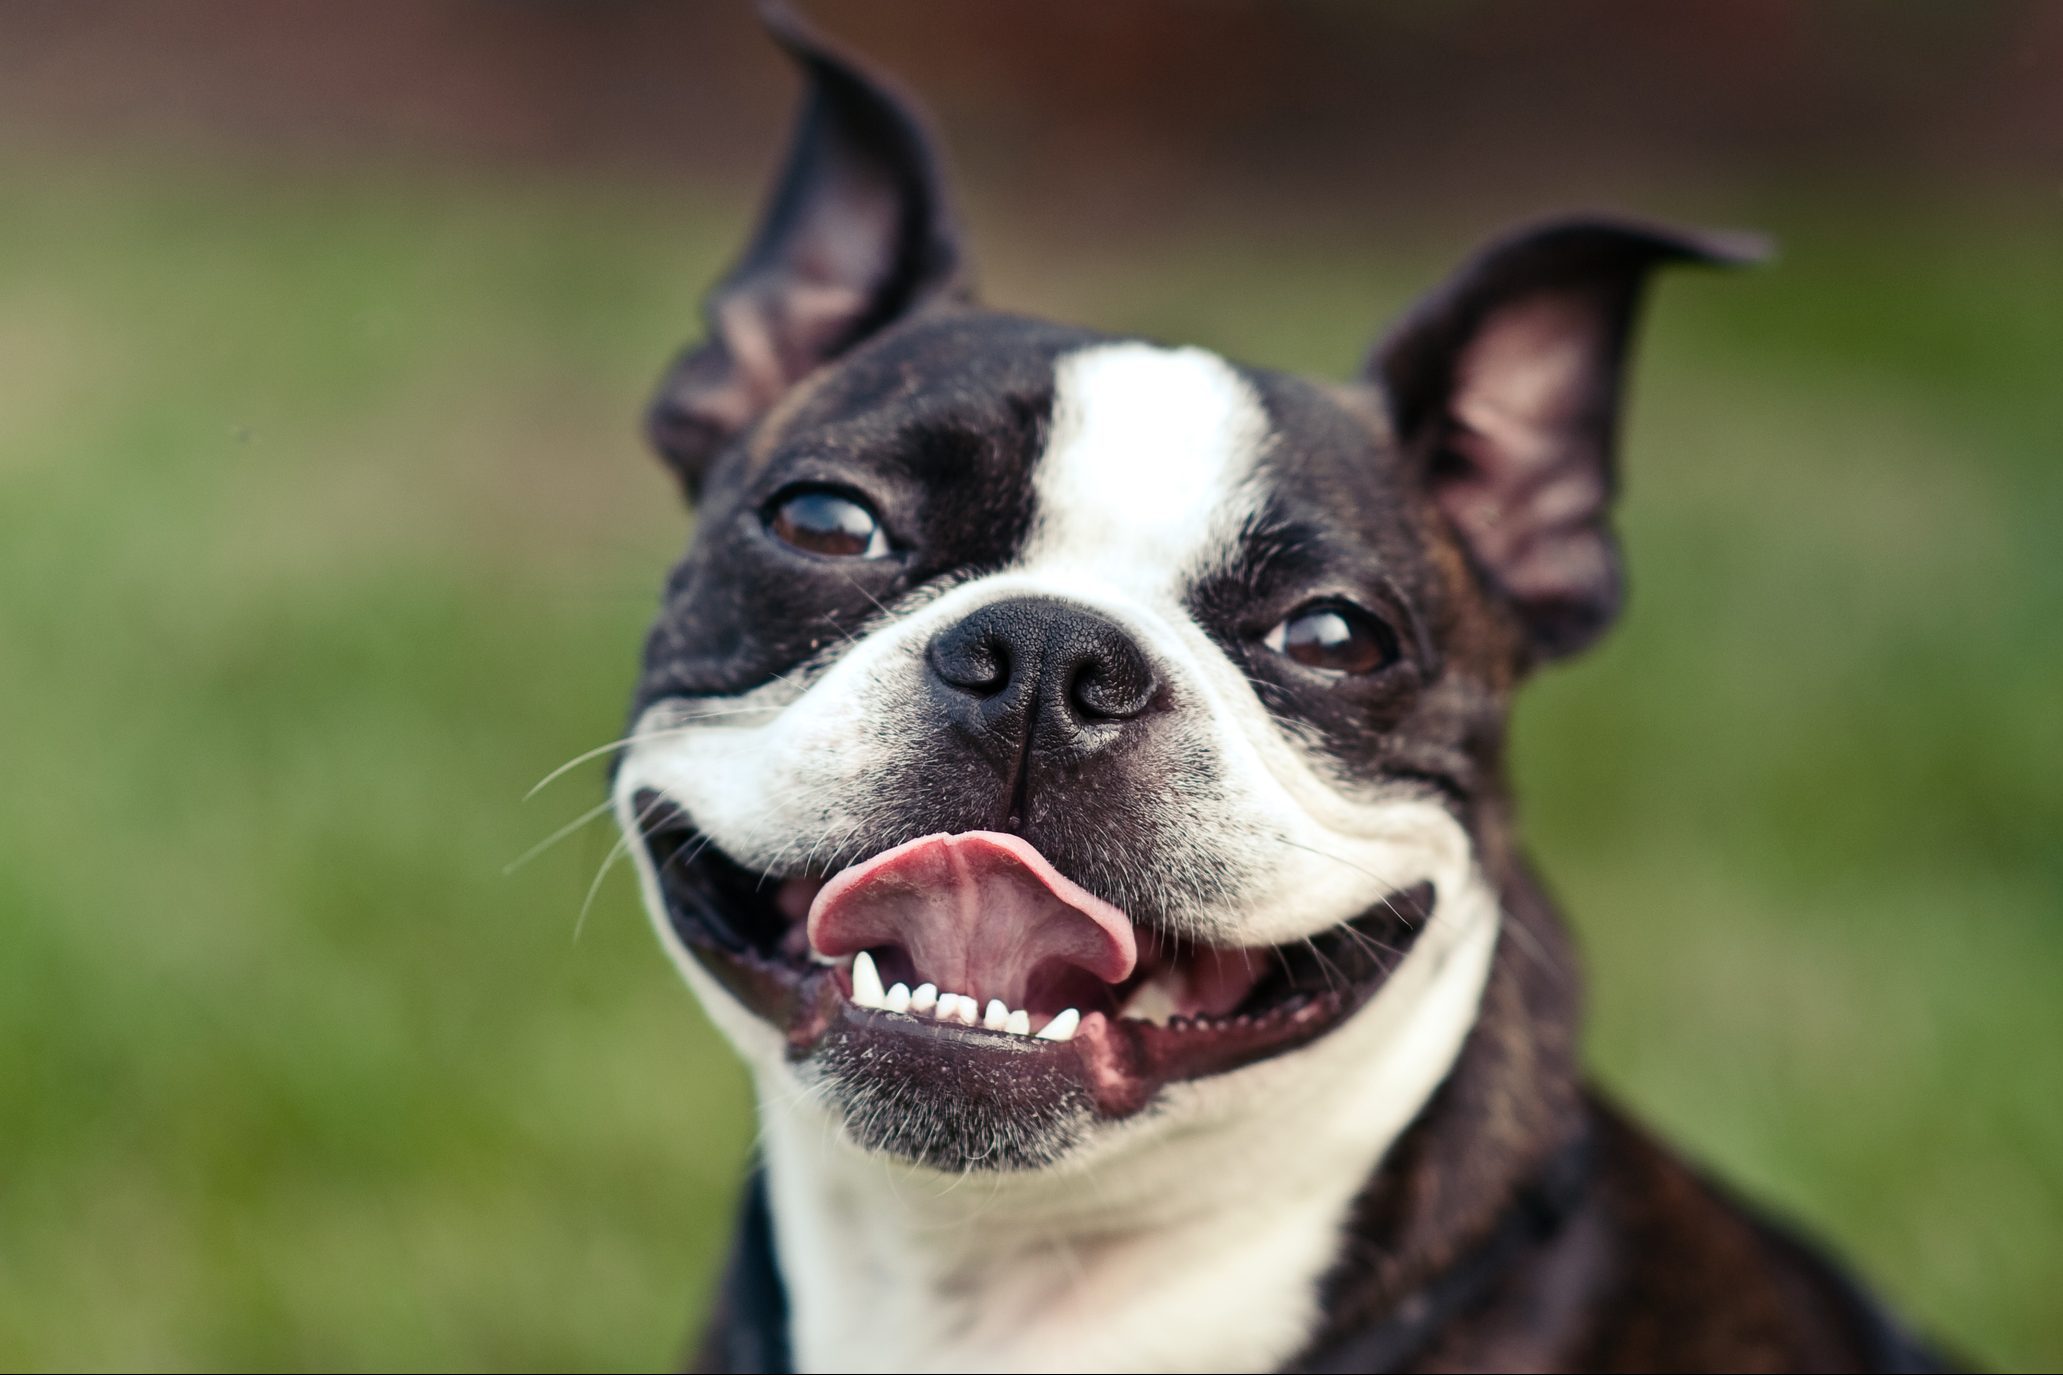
1148, 473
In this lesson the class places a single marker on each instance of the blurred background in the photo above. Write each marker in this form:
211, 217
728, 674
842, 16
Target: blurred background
325, 532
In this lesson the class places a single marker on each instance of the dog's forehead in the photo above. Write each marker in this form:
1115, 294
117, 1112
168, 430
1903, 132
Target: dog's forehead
1151, 467
971, 367
1143, 461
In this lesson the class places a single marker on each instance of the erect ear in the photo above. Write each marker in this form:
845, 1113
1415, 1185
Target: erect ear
858, 234
1505, 385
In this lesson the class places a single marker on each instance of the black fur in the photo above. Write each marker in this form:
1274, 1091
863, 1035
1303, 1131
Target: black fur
1458, 492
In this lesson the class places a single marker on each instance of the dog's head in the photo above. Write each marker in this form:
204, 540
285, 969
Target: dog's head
1043, 724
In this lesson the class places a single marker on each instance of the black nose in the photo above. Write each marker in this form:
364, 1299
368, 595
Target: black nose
1040, 674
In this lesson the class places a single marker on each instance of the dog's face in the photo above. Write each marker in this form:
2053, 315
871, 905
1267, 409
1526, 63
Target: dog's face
1043, 722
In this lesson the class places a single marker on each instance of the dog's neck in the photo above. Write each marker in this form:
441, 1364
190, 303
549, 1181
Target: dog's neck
1222, 1250
1511, 1121
899, 1274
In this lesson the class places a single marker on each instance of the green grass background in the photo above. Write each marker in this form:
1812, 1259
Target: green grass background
324, 533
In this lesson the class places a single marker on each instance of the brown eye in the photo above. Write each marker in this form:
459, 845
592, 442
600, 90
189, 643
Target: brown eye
820, 521
1334, 637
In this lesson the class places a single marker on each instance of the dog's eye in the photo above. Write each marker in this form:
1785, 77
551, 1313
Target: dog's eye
1334, 637
822, 521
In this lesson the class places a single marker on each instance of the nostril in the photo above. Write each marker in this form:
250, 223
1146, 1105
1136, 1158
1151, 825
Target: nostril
1113, 690
971, 660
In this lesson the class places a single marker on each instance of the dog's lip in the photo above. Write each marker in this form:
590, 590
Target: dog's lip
1122, 1061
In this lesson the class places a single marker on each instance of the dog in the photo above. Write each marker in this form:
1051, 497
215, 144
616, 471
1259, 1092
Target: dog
1070, 771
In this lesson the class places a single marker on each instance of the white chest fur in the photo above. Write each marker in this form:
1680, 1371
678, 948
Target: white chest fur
882, 1288
1198, 1250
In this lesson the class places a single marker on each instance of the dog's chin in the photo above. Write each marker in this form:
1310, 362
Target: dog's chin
962, 1085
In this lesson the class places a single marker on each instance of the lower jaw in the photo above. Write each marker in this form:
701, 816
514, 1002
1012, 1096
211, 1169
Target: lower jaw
1113, 1066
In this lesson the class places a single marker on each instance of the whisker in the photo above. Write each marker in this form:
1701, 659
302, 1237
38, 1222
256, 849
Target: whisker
832, 617
1332, 971
1526, 943
1390, 886
1368, 942
556, 836
864, 592
616, 852
681, 861
1522, 939
577, 760
638, 738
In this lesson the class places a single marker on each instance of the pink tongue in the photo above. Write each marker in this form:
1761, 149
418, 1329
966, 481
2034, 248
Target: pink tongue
978, 913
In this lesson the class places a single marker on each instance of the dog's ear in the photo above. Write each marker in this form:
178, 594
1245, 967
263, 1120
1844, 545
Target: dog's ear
858, 234
1504, 384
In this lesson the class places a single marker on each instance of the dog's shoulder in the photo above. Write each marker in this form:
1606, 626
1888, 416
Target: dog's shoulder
1708, 1281
1656, 1267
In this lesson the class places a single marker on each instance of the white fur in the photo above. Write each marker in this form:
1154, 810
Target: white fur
1149, 469
1192, 1239
1191, 1236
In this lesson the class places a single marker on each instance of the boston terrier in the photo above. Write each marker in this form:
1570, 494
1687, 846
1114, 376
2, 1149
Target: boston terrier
1070, 769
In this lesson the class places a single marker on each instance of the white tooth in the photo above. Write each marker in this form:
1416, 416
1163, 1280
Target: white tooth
966, 1011
925, 998
898, 999
1061, 1028
948, 1007
996, 1015
1019, 1023
1154, 1002
866, 981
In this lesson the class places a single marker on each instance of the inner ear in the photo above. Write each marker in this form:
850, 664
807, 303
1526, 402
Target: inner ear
858, 234
1505, 385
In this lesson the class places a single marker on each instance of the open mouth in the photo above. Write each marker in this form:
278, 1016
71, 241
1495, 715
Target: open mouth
974, 945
